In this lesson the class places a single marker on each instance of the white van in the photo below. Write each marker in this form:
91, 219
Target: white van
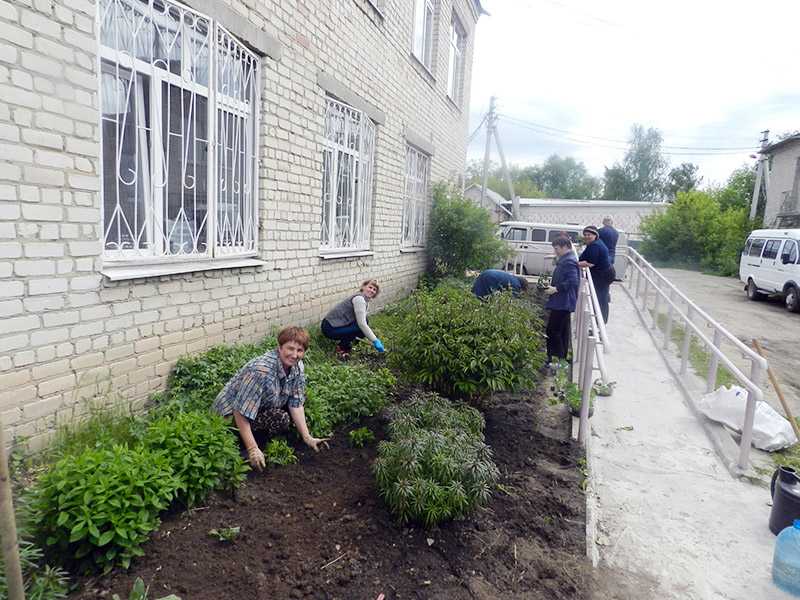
532, 243
769, 265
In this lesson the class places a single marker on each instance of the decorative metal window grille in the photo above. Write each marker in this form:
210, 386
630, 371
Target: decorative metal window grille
455, 67
422, 45
179, 119
415, 201
346, 177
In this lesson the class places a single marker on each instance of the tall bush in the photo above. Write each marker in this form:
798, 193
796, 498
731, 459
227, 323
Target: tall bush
461, 345
461, 235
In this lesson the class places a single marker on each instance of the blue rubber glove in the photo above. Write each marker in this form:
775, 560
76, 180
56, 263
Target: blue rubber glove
378, 345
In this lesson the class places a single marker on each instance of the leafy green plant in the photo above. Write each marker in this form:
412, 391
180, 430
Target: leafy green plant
103, 426
435, 465
574, 398
464, 346
201, 450
225, 534
97, 508
361, 437
461, 235
278, 452
140, 592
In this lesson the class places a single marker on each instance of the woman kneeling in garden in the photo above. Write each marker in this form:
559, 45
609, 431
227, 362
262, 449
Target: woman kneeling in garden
266, 392
347, 321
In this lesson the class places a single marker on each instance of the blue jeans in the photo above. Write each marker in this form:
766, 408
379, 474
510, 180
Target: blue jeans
344, 336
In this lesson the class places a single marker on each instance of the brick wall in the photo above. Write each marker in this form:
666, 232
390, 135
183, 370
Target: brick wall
68, 334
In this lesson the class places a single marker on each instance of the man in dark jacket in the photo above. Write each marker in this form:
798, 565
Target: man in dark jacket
495, 280
610, 237
563, 292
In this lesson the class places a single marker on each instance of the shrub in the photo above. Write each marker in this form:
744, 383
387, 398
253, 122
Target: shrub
97, 508
103, 427
203, 453
361, 437
278, 452
435, 465
459, 344
461, 235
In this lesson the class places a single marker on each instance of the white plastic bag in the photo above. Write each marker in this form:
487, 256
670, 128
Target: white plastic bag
771, 431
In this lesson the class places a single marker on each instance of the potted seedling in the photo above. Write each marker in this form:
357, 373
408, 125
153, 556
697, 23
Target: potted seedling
573, 398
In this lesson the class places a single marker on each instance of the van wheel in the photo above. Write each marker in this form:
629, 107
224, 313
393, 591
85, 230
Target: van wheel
752, 291
792, 299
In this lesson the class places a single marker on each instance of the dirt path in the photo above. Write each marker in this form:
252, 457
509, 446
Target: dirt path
768, 321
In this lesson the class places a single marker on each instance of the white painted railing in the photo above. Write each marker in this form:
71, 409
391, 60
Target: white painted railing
651, 291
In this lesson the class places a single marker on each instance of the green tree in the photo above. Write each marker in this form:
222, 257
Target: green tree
524, 185
643, 172
683, 178
461, 235
563, 177
615, 183
738, 191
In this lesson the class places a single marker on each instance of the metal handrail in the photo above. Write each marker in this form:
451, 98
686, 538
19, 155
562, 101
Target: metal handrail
757, 364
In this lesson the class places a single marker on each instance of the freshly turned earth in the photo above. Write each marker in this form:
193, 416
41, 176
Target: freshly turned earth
318, 530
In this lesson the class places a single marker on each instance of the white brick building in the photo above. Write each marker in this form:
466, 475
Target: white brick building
163, 168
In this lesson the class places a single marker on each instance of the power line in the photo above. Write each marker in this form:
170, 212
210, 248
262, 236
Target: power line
477, 129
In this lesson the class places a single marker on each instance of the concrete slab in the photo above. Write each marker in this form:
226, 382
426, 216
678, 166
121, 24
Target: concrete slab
671, 521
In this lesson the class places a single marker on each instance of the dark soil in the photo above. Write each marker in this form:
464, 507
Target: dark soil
318, 530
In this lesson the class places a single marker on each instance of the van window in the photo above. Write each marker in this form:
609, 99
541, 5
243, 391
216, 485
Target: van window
789, 254
555, 234
516, 234
746, 250
757, 247
538, 235
771, 249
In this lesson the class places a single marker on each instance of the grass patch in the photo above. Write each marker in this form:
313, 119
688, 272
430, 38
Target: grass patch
790, 457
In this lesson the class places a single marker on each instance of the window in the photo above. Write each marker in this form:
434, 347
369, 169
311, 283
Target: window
346, 178
789, 254
179, 103
771, 249
538, 235
755, 249
516, 234
746, 250
554, 235
422, 45
455, 67
415, 202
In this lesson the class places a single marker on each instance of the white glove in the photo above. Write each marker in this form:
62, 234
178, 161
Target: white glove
256, 458
551, 290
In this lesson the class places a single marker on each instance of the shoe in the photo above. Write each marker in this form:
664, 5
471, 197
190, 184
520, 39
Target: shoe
342, 353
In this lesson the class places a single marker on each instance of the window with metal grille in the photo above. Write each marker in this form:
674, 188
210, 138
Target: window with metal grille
346, 178
415, 201
179, 101
422, 45
455, 67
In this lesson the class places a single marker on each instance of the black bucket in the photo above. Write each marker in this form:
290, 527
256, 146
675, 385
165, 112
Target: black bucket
785, 489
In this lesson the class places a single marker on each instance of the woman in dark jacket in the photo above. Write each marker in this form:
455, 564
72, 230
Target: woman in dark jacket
563, 292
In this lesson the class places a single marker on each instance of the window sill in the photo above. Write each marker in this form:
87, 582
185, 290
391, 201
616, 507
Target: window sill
453, 104
331, 254
411, 249
121, 273
424, 71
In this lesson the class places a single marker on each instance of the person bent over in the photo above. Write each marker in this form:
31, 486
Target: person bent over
267, 393
495, 280
347, 321
563, 292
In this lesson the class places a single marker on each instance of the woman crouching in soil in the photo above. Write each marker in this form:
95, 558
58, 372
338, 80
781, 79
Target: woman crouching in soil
347, 321
267, 392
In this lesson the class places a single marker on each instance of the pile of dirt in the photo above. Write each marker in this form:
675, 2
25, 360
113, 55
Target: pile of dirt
318, 530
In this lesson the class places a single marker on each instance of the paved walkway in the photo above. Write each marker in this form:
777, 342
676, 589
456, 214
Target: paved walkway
669, 516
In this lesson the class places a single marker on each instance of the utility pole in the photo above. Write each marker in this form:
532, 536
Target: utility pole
491, 131
761, 175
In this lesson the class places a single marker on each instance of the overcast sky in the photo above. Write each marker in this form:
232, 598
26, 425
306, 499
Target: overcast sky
707, 73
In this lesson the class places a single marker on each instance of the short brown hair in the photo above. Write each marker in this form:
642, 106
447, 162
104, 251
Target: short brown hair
562, 242
373, 282
293, 334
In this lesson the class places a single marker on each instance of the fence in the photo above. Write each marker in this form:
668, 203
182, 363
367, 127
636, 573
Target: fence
650, 292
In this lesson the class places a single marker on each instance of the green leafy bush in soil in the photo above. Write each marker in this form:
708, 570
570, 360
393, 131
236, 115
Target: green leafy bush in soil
361, 437
460, 345
203, 453
279, 452
435, 465
97, 508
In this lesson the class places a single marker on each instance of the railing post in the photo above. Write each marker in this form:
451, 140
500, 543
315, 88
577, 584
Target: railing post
687, 340
713, 363
749, 416
668, 328
640, 274
656, 308
586, 391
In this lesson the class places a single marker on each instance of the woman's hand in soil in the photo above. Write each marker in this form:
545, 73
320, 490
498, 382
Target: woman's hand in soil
315, 443
256, 458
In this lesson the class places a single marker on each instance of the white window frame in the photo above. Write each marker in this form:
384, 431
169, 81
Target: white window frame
455, 65
230, 87
422, 32
348, 157
416, 199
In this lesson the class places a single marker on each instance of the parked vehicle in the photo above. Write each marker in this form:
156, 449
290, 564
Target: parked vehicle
534, 252
769, 265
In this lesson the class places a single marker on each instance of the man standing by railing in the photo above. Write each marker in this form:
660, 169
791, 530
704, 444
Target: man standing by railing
563, 292
595, 256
